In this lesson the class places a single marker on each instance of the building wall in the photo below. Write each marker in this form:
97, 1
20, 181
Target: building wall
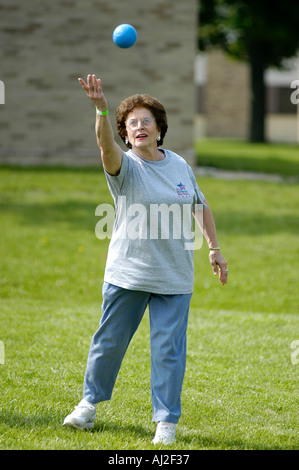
227, 97
46, 45
223, 99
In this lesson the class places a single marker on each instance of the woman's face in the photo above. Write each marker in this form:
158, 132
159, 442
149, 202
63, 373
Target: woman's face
142, 130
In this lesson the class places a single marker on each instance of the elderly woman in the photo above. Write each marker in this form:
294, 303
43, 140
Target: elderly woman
144, 268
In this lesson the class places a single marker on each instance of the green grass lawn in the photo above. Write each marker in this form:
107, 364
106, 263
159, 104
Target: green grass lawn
243, 156
241, 385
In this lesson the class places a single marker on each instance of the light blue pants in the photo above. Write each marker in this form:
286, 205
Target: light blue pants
122, 311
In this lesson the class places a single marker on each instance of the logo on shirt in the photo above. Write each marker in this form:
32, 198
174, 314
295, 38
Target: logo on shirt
181, 190
154, 222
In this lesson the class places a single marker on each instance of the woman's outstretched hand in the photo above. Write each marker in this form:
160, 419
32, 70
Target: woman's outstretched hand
217, 261
94, 91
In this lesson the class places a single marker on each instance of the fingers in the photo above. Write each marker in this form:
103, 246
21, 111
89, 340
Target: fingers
215, 268
90, 81
93, 84
93, 89
218, 262
84, 85
223, 274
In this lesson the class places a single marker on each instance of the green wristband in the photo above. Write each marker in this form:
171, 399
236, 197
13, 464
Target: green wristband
102, 113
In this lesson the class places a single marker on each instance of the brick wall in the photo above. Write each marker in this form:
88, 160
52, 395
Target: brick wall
226, 97
45, 45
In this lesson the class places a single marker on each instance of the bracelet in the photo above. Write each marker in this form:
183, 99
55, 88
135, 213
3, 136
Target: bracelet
102, 113
216, 248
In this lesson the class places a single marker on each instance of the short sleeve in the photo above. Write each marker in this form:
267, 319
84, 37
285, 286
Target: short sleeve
199, 196
116, 182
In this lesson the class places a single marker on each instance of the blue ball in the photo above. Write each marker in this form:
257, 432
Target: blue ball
124, 36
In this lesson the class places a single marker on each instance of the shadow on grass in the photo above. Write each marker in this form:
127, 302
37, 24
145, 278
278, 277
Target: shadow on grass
52, 169
74, 214
243, 223
278, 166
186, 441
20, 420
215, 443
132, 429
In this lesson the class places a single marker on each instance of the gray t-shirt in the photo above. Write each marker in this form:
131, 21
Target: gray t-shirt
154, 201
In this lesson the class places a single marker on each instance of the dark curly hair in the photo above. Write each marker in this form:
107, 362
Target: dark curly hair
140, 101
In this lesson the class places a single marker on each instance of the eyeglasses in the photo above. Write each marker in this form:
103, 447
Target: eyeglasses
145, 122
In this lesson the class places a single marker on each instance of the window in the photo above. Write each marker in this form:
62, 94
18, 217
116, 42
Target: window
278, 100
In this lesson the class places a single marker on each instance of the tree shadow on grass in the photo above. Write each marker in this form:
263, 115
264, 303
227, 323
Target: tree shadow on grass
20, 420
243, 223
139, 431
283, 167
71, 214
185, 441
79, 215
53, 419
215, 443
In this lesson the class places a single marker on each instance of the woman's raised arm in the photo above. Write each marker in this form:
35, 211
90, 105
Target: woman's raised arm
111, 153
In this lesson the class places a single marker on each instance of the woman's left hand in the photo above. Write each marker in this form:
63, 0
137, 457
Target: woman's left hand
218, 262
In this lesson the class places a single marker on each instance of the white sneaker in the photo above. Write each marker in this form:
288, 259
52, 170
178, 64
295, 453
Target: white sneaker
165, 433
82, 417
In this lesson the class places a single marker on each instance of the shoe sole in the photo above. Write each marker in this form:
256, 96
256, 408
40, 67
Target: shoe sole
77, 426
163, 442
